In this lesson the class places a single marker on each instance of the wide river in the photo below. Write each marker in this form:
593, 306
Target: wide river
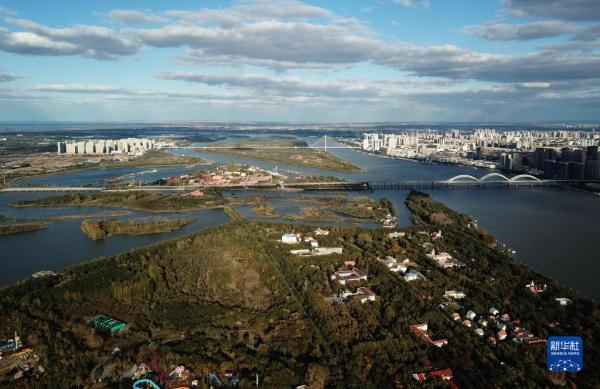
553, 230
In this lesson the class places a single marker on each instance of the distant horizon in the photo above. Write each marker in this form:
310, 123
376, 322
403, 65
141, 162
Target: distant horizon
266, 122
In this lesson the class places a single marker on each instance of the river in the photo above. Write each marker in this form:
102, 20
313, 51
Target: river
553, 230
63, 244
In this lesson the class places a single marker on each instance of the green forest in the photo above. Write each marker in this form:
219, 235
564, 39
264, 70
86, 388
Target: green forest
232, 298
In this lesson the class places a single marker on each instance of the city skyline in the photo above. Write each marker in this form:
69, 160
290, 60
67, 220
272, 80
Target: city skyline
241, 61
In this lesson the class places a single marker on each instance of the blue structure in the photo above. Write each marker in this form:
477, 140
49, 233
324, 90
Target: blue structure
8, 345
145, 383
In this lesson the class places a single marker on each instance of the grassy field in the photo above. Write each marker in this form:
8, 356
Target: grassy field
102, 229
285, 150
157, 158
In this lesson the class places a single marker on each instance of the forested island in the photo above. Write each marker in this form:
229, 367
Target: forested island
102, 229
282, 149
235, 299
140, 200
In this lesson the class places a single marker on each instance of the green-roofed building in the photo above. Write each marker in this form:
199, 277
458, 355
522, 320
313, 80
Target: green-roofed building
107, 323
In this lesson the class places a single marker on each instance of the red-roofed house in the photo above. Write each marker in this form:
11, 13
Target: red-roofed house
195, 193
445, 374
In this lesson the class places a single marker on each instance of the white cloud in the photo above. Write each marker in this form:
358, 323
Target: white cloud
84, 40
269, 40
132, 16
521, 32
76, 88
536, 85
252, 10
7, 12
6, 76
412, 3
561, 9
281, 86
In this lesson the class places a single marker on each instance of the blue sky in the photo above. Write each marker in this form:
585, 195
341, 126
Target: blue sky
313, 61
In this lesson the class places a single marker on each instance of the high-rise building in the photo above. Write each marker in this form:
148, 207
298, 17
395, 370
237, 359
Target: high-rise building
578, 155
566, 154
549, 168
592, 153
538, 158
577, 170
592, 169
562, 170
105, 146
479, 153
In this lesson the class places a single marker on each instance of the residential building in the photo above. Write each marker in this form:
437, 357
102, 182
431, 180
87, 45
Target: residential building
362, 294
345, 277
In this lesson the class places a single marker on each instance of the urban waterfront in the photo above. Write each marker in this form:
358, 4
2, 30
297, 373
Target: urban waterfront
552, 229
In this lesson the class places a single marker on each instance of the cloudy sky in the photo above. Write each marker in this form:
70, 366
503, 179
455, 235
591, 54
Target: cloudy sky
313, 61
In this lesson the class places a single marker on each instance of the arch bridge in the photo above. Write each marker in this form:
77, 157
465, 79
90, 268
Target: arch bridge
492, 178
466, 181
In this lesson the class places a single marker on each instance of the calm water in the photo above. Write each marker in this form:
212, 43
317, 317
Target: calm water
553, 230
63, 244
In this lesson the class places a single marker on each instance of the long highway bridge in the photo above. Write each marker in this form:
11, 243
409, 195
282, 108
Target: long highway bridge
463, 181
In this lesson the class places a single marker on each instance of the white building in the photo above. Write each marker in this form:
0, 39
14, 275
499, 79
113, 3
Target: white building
413, 275
289, 238
106, 146
454, 294
362, 294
